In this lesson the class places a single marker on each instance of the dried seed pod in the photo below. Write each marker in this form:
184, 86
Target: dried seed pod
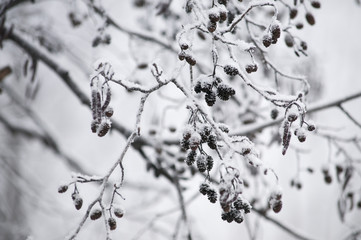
95, 214
293, 13
224, 92
303, 45
251, 68
107, 39
109, 112
210, 98
277, 206
274, 113
238, 218
224, 2
204, 188
142, 65
310, 18
118, 212
187, 132
212, 141
266, 40
201, 163
103, 129
94, 126
206, 130
301, 134
201, 35
212, 195
198, 87
140, 3
194, 141
77, 201
189, 6
227, 216
315, 4
62, 188
112, 223
292, 116
214, 16
184, 46
209, 163
222, 16
182, 55
211, 26
191, 60
299, 25
359, 204
191, 158
275, 31
172, 129
328, 178
289, 40
184, 144
230, 70
245, 151
238, 204
311, 127
96, 41
223, 127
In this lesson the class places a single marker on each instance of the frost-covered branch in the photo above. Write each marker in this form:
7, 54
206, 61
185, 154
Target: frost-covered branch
142, 35
317, 107
99, 199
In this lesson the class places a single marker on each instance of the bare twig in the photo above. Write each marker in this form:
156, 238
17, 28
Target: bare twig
313, 108
349, 115
281, 225
144, 36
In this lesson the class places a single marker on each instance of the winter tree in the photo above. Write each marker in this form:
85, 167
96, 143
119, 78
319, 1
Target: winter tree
192, 119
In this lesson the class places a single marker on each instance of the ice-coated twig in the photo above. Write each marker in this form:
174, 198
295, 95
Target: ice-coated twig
109, 173
142, 35
252, 5
252, 128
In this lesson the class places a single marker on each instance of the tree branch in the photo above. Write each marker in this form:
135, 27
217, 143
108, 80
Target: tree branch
349, 115
144, 36
281, 225
314, 108
46, 140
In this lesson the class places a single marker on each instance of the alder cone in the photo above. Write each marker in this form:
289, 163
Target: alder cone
112, 223
118, 212
277, 206
96, 214
293, 13
310, 19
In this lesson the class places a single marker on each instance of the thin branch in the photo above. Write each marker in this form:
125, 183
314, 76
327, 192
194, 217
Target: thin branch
314, 108
182, 206
281, 225
64, 75
349, 115
238, 19
144, 36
